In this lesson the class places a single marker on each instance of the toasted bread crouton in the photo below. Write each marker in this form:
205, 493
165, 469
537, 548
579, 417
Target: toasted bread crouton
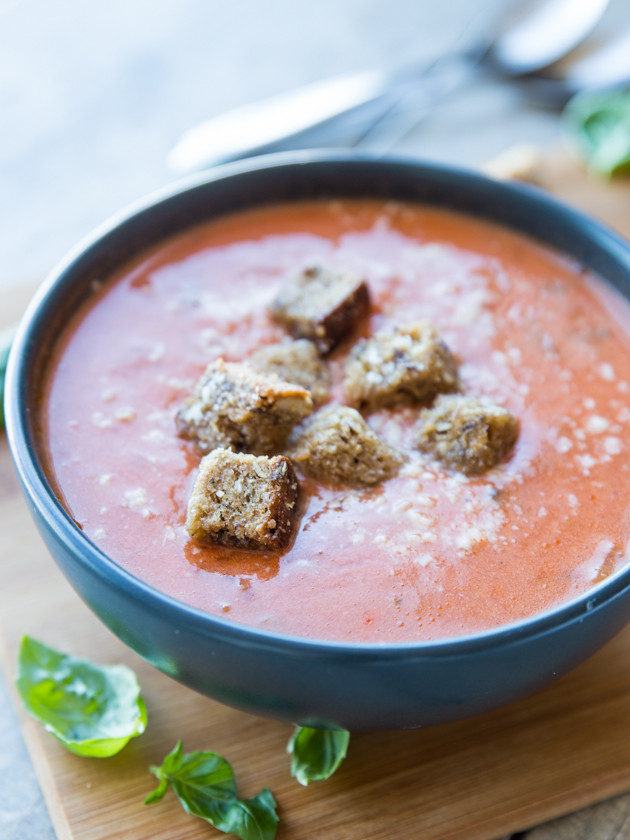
407, 364
237, 407
337, 445
243, 500
297, 362
466, 434
321, 305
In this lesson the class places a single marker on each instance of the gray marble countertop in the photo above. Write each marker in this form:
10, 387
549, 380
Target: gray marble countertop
94, 95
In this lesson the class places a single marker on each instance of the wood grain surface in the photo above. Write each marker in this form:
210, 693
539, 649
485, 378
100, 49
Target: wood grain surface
560, 750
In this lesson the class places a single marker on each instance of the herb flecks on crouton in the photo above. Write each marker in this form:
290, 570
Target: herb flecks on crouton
235, 406
337, 445
243, 500
297, 362
466, 434
321, 305
410, 363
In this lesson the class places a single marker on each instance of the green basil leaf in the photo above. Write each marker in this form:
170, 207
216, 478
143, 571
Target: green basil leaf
158, 794
600, 125
93, 710
317, 753
6, 337
204, 784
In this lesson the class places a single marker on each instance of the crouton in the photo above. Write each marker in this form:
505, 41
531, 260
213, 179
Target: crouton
466, 434
236, 407
409, 363
321, 305
297, 362
243, 500
336, 444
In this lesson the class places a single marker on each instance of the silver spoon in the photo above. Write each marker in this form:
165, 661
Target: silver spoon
525, 41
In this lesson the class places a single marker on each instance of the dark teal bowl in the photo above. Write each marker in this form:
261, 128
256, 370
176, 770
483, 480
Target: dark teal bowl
353, 685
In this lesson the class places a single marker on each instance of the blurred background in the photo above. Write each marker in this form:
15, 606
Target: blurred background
94, 96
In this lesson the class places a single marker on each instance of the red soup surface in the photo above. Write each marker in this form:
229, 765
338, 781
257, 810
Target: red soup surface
425, 555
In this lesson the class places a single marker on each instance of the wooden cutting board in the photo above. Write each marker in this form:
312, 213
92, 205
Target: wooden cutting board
566, 747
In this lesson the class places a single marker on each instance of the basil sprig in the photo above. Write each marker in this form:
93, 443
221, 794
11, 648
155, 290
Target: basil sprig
600, 125
316, 753
93, 710
204, 784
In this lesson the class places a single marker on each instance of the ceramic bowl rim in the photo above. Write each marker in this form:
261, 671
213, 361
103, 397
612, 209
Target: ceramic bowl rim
42, 497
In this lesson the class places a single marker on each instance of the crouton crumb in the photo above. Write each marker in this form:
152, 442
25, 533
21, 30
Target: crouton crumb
466, 434
321, 305
243, 500
297, 362
235, 407
409, 363
336, 444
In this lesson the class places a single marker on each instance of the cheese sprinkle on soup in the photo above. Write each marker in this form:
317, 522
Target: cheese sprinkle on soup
428, 551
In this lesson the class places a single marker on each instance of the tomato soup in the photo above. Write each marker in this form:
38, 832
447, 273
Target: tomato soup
427, 554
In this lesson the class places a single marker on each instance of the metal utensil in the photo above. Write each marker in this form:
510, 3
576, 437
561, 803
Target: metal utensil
606, 67
528, 39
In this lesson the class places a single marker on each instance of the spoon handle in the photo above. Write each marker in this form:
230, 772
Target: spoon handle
358, 105
411, 101
342, 109
290, 116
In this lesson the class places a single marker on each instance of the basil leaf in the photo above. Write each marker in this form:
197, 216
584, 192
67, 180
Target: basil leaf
600, 124
93, 710
317, 753
6, 337
204, 784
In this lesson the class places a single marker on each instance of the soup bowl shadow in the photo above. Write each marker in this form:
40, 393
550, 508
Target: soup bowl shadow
358, 686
